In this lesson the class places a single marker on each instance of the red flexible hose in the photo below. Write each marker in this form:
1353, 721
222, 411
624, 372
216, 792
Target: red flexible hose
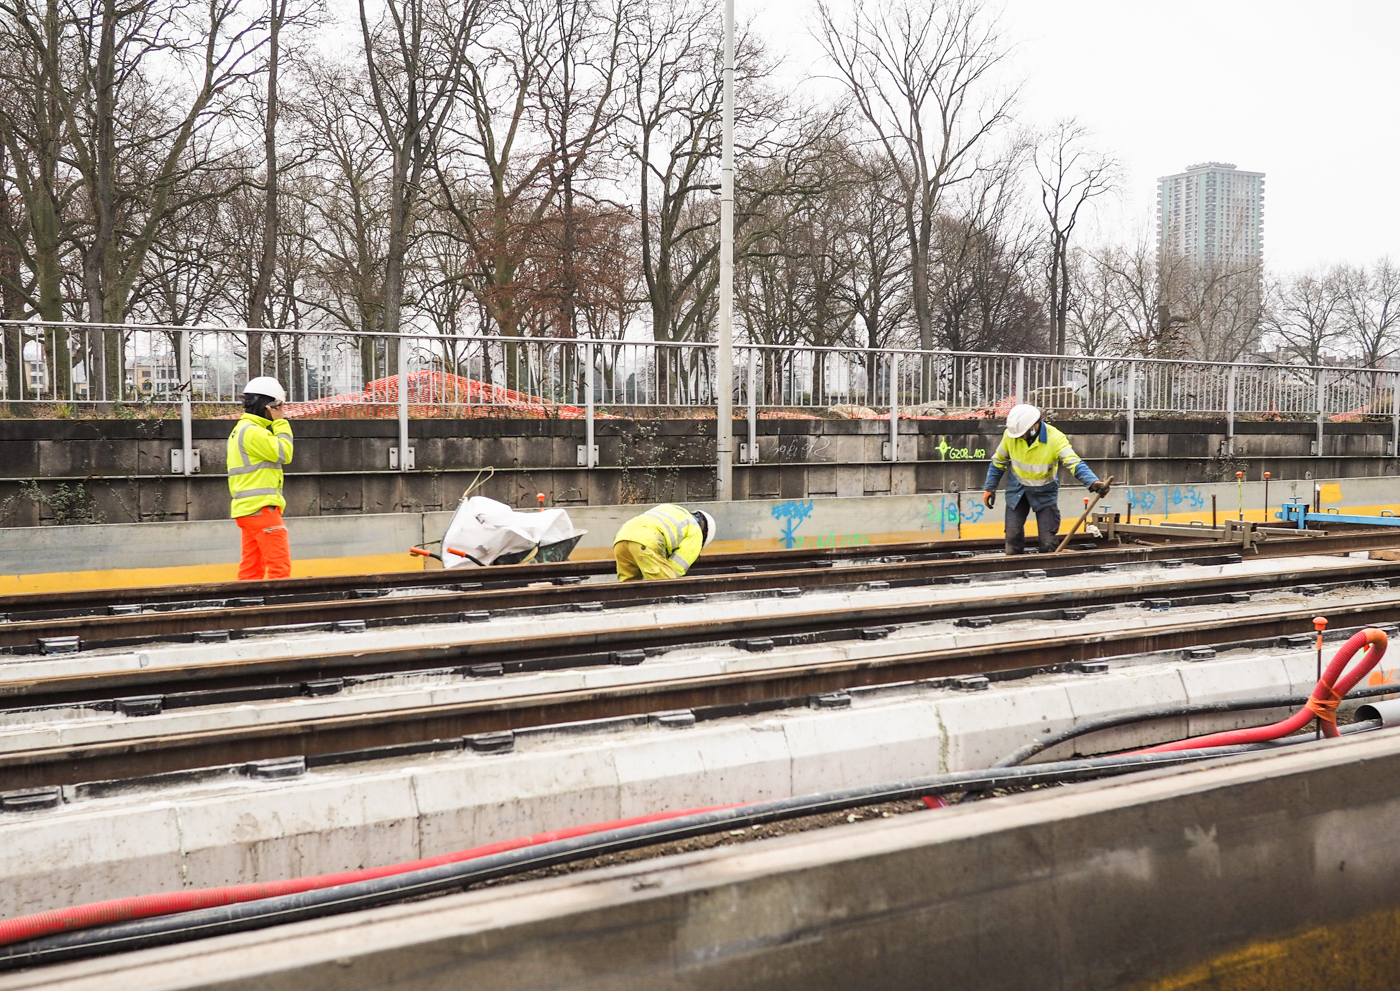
27, 927
1322, 704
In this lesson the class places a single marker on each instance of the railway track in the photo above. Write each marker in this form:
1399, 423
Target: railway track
100, 602
237, 681
330, 739
207, 620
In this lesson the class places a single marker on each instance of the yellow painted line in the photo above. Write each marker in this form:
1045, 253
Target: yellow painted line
190, 574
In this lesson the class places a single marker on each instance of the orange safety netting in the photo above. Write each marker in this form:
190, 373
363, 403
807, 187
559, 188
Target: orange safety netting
996, 411
433, 394
1354, 415
442, 395
990, 411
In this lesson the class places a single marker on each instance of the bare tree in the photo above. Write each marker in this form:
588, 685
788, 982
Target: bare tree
921, 77
540, 89
1218, 305
131, 135
15, 288
281, 15
414, 57
981, 279
877, 281
1096, 324
346, 204
1369, 307
1071, 173
1300, 314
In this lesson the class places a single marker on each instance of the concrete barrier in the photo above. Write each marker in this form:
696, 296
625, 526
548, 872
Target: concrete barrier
40, 559
1276, 871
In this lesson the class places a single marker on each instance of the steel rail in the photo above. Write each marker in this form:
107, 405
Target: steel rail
357, 732
38, 605
147, 627
203, 684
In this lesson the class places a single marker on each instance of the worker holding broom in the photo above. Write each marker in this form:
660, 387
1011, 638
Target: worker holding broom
1034, 451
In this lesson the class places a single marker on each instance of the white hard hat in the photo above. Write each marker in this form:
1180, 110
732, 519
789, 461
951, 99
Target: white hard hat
1020, 419
707, 522
266, 385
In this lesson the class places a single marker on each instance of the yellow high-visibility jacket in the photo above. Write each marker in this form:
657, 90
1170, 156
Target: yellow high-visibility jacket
670, 531
258, 448
1035, 466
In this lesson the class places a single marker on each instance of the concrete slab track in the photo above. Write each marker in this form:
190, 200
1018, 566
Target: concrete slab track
1256, 872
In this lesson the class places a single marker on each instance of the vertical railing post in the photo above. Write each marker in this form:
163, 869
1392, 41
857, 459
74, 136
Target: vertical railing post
1132, 405
894, 405
403, 403
1021, 379
186, 417
590, 460
1395, 414
1321, 408
724, 370
1230, 412
753, 405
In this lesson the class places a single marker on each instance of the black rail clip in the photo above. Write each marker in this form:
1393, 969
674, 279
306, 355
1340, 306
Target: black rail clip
32, 800
492, 743
141, 705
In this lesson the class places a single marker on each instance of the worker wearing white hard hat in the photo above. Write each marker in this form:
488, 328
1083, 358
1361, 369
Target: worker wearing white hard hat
663, 542
259, 448
1034, 452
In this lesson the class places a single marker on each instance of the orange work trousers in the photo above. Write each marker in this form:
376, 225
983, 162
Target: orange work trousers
266, 552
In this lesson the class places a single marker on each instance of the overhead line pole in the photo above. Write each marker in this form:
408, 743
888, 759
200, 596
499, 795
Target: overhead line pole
724, 372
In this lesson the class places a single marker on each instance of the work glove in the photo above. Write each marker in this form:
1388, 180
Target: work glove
1099, 488
989, 499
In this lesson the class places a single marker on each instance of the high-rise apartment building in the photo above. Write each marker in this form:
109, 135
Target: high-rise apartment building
1212, 213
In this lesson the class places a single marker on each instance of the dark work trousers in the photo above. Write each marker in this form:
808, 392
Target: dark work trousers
1047, 522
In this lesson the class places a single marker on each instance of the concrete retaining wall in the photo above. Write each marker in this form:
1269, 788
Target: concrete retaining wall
124, 555
1262, 872
342, 466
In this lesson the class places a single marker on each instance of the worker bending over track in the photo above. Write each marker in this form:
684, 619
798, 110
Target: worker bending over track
661, 543
1034, 451
258, 449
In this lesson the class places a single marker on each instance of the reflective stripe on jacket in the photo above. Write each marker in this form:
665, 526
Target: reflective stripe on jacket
1035, 466
258, 448
670, 531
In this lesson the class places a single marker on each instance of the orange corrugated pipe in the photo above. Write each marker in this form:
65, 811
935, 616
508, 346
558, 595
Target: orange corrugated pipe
1321, 705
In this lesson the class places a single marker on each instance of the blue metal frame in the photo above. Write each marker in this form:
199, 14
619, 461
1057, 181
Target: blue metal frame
1296, 511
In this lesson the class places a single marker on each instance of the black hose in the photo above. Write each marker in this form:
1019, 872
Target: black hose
127, 936
1167, 712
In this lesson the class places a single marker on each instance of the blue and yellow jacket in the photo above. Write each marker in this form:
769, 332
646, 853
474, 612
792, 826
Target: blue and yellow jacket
1035, 466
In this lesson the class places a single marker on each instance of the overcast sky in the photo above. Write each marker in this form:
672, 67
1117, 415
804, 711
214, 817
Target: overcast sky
1300, 92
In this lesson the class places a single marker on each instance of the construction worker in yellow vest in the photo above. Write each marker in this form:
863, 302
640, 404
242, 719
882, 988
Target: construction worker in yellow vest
662, 543
1034, 451
259, 447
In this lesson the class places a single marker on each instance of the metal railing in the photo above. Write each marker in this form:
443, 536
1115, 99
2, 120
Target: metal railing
422, 374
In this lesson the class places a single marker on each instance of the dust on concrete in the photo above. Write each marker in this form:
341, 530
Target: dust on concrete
728, 837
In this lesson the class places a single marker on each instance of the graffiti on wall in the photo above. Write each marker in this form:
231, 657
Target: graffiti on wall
1167, 500
945, 513
949, 453
791, 514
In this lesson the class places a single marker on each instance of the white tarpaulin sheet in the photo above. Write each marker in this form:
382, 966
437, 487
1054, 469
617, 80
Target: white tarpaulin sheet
483, 530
